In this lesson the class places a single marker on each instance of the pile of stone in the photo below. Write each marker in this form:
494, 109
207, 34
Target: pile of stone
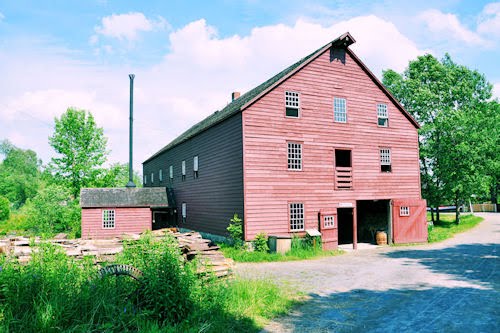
192, 245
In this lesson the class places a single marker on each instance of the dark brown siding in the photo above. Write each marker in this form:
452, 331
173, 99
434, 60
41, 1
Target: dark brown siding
217, 193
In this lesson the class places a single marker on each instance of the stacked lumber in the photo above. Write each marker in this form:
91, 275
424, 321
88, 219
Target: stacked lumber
191, 244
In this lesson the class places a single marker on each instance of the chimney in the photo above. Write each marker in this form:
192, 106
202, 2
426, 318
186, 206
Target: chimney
131, 183
235, 95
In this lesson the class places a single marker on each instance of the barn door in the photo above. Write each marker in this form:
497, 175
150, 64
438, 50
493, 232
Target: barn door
328, 228
409, 218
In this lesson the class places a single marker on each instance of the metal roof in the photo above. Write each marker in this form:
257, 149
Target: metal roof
124, 197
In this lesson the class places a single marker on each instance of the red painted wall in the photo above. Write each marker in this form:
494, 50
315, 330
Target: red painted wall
413, 228
269, 186
133, 220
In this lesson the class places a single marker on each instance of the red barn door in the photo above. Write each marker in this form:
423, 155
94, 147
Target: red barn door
409, 218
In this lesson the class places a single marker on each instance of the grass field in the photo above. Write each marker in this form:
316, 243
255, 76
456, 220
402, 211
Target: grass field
446, 227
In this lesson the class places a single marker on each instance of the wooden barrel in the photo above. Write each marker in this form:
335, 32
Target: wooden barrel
381, 237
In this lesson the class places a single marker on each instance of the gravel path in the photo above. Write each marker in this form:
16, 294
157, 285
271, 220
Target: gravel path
452, 286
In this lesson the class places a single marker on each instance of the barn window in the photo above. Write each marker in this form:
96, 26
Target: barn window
329, 221
108, 219
292, 104
294, 156
296, 216
145, 179
339, 110
184, 211
183, 170
385, 160
195, 167
152, 177
171, 172
382, 115
160, 175
404, 211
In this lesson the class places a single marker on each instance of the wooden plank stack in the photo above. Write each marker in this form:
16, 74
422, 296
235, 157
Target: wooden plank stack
192, 245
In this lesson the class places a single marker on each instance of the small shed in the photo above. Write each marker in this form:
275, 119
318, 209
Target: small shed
110, 212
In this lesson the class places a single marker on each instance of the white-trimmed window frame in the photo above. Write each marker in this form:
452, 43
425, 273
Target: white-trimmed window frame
183, 169
108, 219
196, 165
339, 110
382, 114
292, 102
160, 175
296, 216
171, 172
152, 177
294, 156
145, 179
385, 158
404, 211
329, 221
184, 211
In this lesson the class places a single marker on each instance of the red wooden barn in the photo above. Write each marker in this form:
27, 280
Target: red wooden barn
321, 145
110, 212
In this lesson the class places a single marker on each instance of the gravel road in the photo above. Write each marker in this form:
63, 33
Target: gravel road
452, 286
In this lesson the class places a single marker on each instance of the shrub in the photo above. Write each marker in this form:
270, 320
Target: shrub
260, 243
235, 229
4, 209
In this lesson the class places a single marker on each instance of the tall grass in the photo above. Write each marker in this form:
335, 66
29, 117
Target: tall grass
54, 293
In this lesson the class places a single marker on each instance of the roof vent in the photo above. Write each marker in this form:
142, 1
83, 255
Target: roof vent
235, 95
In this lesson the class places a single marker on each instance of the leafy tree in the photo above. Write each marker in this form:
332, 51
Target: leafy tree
19, 173
81, 146
4, 208
116, 176
53, 210
445, 98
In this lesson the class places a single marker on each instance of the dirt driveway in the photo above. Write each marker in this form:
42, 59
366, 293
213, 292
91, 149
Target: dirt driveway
449, 287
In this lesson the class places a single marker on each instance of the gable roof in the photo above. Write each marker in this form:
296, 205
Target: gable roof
256, 93
124, 197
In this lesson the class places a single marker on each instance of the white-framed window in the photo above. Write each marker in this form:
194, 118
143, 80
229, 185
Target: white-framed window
183, 169
171, 172
145, 179
184, 210
385, 160
294, 156
382, 115
152, 177
160, 175
329, 221
108, 218
195, 166
339, 110
296, 216
292, 104
404, 211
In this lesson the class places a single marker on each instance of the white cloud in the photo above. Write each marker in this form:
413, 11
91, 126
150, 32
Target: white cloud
489, 22
126, 26
447, 26
496, 90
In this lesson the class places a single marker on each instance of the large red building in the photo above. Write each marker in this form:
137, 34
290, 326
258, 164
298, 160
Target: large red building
321, 145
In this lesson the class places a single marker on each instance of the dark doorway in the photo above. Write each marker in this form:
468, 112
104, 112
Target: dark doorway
345, 225
164, 219
343, 158
373, 216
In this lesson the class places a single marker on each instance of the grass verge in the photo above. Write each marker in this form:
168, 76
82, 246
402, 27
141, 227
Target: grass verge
446, 228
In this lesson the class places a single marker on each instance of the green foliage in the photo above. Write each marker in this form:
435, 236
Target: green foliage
446, 228
54, 292
235, 230
116, 176
16, 224
260, 242
81, 147
4, 208
53, 210
19, 174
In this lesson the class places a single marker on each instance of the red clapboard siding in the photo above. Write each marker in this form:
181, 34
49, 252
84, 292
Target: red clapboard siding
413, 228
269, 186
134, 220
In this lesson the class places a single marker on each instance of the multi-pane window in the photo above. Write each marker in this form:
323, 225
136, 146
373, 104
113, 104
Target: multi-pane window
108, 218
294, 156
404, 211
296, 216
183, 170
329, 221
292, 104
382, 115
195, 166
160, 175
171, 172
385, 160
339, 110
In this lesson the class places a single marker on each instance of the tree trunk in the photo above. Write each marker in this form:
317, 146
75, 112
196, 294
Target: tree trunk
457, 210
432, 215
437, 214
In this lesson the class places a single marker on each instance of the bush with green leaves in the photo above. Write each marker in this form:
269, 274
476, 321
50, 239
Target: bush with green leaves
53, 210
260, 242
235, 230
4, 209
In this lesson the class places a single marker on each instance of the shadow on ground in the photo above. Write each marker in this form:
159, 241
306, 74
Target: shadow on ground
424, 308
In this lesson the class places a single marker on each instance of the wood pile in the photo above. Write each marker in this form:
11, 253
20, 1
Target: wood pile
192, 245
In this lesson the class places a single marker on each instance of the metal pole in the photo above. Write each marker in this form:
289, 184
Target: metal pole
130, 162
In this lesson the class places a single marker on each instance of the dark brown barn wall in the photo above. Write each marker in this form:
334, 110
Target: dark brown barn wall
217, 193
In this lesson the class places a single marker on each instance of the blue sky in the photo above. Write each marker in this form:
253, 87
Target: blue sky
188, 56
